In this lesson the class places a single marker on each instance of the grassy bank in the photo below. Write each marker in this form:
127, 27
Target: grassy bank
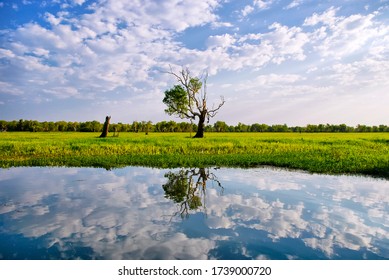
333, 153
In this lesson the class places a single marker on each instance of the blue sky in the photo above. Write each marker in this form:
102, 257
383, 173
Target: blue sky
274, 61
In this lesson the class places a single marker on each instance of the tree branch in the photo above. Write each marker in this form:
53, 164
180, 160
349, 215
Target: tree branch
213, 112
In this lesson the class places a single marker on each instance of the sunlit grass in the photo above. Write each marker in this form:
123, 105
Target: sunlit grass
335, 153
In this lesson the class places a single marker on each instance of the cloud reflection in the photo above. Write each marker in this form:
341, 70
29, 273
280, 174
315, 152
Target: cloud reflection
129, 213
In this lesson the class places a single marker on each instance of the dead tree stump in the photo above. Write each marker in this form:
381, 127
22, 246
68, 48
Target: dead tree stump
106, 126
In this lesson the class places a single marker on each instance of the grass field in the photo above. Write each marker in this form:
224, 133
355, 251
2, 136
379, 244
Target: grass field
332, 153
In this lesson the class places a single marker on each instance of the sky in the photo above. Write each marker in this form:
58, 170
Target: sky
293, 62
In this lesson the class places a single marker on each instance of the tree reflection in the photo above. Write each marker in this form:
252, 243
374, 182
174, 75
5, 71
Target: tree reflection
187, 188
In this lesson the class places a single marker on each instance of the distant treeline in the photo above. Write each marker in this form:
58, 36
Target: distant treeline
172, 126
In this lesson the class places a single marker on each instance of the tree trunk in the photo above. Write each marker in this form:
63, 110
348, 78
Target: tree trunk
200, 127
204, 177
105, 127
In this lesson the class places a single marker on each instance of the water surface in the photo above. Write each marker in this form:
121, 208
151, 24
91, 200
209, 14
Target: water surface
144, 213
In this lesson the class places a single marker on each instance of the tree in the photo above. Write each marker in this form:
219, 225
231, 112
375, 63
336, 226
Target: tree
135, 126
242, 127
187, 188
148, 127
3, 126
220, 126
62, 125
188, 99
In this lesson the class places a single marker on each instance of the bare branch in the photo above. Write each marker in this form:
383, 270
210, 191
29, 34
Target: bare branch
213, 112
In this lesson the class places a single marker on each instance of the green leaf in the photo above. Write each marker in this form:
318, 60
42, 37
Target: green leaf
176, 100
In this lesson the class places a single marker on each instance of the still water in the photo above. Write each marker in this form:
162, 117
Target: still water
144, 213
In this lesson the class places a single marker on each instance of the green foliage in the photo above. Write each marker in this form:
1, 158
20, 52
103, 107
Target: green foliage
177, 101
195, 85
177, 186
172, 126
220, 126
335, 153
194, 105
186, 188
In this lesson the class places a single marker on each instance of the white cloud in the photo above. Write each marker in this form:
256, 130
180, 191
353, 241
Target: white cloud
218, 24
233, 52
247, 10
34, 35
294, 4
263, 4
222, 41
257, 4
53, 20
8, 88
288, 42
62, 92
327, 18
120, 47
274, 79
95, 47
4, 53
175, 15
348, 35
78, 2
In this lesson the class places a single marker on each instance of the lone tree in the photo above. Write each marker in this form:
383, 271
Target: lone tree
188, 99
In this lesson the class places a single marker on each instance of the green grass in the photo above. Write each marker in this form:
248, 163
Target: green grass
332, 153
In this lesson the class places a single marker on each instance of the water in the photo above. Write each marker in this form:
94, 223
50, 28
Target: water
143, 213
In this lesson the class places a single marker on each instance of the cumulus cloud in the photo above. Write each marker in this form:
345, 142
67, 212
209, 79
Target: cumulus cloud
114, 46
343, 36
223, 41
120, 48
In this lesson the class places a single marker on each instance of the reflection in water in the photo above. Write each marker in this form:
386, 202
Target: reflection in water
187, 187
86, 213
